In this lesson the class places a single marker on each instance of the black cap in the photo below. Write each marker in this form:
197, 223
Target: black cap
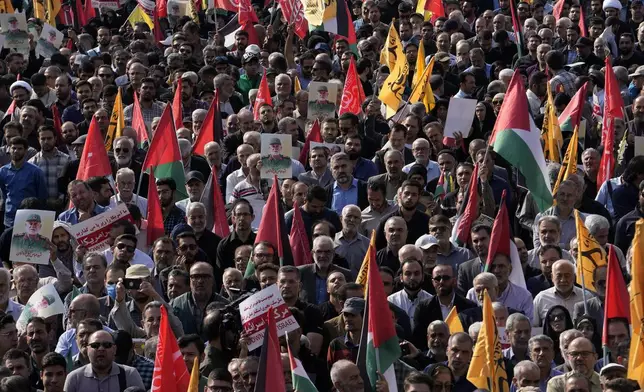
584, 41
195, 175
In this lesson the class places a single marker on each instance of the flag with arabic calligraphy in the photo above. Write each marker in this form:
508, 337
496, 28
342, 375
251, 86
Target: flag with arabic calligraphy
293, 12
352, 95
246, 12
170, 370
394, 86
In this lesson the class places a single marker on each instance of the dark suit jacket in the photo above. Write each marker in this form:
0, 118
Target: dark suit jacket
379, 159
428, 311
230, 144
307, 273
466, 274
363, 202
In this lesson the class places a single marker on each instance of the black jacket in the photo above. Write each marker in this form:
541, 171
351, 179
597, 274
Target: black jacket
363, 202
428, 311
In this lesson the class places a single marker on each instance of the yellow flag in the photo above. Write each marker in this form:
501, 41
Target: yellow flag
330, 11
487, 369
420, 65
363, 274
297, 84
569, 164
393, 48
636, 353
6, 7
422, 91
117, 122
420, 9
314, 12
194, 376
53, 8
453, 322
394, 86
138, 15
192, 12
590, 254
550, 131
39, 10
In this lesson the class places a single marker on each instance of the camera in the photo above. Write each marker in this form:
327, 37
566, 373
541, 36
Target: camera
132, 284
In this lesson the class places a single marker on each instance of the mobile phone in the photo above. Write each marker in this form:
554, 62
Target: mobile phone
132, 284
404, 348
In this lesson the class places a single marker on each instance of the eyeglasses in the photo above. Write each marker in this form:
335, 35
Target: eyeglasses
200, 277
118, 150
123, 246
105, 345
439, 278
497, 102
580, 354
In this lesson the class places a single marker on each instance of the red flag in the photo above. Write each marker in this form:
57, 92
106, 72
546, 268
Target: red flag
94, 161
270, 228
158, 32
263, 96
58, 126
351, 98
249, 27
177, 106
500, 237
298, 239
463, 225
314, 136
582, 22
155, 215
246, 13
613, 104
138, 123
436, 8
270, 375
211, 128
616, 302
557, 9
170, 371
214, 201
84, 12
162, 8
230, 5
293, 11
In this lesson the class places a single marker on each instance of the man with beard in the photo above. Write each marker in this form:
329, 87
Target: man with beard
267, 119
84, 205
206, 240
29, 117
345, 189
412, 279
519, 330
88, 107
103, 39
136, 73
172, 215
65, 245
53, 372
124, 149
190, 307
150, 108
70, 133
251, 77
316, 274
314, 209
394, 175
20, 179
94, 267
467, 271
37, 340
125, 186
363, 168
415, 220
188, 102
460, 347
241, 234
11, 130
349, 243
628, 56
195, 184
347, 346
20, 91
74, 113
63, 93
396, 236
101, 352
582, 356
379, 207
319, 173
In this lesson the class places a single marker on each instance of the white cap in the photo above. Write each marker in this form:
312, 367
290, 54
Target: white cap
252, 48
612, 4
426, 241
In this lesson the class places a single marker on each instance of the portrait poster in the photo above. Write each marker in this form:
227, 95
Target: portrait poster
177, 8
332, 147
45, 302
49, 41
276, 156
15, 31
322, 100
32, 231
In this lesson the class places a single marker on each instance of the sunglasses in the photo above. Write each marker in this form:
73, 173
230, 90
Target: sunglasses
129, 248
105, 345
440, 278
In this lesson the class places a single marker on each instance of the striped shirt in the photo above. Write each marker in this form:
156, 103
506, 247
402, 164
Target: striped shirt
52, 167
256, 197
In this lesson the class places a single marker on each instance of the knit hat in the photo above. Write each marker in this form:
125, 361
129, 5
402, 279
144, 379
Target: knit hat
417, 168
612, 4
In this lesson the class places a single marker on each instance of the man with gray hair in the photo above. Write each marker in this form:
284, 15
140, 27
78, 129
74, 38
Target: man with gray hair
346, 377
282, 87
582, 357
526, 374
590, 158
349, 243
196, 218
323, 253
565, 338
564, 292
566, 197
549, 233
193, 162
518, 328
542, 353
7, 305
125, 187
212, 152
198, 117
346, 189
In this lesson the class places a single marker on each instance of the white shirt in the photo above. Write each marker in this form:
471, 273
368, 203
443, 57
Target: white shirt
233, 179
402, 300
549, 298
433, 171
139, 258
140, 202
445, 309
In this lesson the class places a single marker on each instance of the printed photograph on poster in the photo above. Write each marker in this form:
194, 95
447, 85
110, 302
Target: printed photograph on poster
106, 4
322, 100
32, 231
276, 156
45, 302
15, 31
177, 8
49, 42
332, 147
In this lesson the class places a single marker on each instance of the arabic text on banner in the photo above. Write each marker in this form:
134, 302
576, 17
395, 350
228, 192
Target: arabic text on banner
94, 232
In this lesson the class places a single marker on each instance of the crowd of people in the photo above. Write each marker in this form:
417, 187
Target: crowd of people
398, 178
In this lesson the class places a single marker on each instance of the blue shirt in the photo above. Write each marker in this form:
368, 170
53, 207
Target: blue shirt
320, 290
17, 184
71, 216
343, 198
364, 169
73, 113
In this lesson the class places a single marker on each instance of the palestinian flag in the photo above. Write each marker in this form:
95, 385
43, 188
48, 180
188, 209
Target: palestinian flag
301, 380
469, 212
444, 186
571, 116
517, 140
270, 375
313, 136
516, 25
164, 157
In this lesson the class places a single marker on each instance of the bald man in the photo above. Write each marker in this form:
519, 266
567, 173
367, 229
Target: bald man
349, 243
564, 292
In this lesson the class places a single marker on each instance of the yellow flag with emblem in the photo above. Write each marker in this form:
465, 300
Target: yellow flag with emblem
453, 322
138, 15
6, 7
550, 131
394, 86
422, 90
569, 164
392, 49
363, 274
487, 368
590, 255
636, 352
420, 65
117, 122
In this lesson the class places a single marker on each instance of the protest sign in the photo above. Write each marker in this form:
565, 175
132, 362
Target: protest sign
276, 156
94, 232
322, 100
45, 302
460, 114
15, 31
49, 42
32, 231
253, 315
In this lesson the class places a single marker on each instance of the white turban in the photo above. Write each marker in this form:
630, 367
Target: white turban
612, 4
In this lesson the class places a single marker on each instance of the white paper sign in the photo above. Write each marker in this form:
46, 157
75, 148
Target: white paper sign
45, 302
459, 116
94, 232
253, 315
639, 145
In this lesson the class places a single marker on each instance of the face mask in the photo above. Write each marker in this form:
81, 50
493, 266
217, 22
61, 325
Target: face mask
111, 290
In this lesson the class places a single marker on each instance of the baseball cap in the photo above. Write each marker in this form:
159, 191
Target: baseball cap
638, 72
612, 366
426, 241
252, 48
584, 41
137, 271
221, 60
442, 57
322, 46
248, 57
194, 175
354, 306
80, 140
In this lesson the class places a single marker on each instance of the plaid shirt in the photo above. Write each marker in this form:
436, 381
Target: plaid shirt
156, 110
52, 167
342, 348
194, 105
145, 367
563, 81
175, 217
